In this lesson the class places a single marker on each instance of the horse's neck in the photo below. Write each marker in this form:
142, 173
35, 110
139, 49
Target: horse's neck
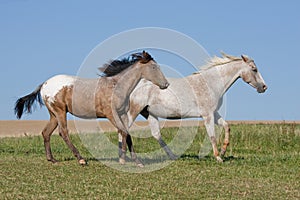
221, 77
128, 80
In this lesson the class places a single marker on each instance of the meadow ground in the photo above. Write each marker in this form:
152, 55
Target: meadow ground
262, 162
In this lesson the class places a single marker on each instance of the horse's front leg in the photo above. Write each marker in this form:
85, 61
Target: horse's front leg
155, 131
122, 150
132, 152
210, 128
129, 142
122, 153
221, 122
120, 142
115, 119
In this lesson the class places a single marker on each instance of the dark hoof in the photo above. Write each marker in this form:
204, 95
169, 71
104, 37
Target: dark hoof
53, 160
173, 157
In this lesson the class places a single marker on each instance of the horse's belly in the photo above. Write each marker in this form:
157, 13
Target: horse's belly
85, 114
87, 109
175, 110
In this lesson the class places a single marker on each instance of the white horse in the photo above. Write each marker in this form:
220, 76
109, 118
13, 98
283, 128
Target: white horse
197, 95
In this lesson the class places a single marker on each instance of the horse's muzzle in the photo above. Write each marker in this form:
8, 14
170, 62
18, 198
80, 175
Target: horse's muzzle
262, 89
164, 86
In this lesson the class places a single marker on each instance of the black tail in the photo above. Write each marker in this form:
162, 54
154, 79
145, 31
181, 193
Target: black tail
24, 104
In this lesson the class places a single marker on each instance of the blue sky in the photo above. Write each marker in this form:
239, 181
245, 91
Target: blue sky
39, 39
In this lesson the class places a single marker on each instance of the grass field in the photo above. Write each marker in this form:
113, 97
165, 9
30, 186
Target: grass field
262, 162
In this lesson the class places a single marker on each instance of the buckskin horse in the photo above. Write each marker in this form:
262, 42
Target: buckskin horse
103, 97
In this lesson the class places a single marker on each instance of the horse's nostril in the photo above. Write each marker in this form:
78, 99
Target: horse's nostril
164, 86
265, 87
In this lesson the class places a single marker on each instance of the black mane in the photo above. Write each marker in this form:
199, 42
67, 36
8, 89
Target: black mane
114, 67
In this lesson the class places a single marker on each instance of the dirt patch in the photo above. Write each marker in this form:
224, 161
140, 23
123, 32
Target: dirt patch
17, 128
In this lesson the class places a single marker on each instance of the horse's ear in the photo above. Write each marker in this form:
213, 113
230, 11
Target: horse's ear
146, 57
145, 54
245, 58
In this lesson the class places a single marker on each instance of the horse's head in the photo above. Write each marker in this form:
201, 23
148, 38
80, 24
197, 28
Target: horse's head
151, 70
251, 75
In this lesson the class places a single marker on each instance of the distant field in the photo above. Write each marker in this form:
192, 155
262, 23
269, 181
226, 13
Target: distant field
19, 128
262, 162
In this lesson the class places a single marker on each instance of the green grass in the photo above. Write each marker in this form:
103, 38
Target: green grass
262, 162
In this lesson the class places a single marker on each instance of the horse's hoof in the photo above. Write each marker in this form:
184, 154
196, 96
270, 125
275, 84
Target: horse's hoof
53, 161
122, 161
139, 163
82, 162
219, 159
173, 157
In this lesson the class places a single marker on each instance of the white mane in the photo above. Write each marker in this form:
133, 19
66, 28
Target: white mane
215, 61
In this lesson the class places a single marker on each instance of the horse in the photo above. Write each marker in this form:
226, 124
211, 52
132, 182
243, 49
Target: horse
197, 95
104, 97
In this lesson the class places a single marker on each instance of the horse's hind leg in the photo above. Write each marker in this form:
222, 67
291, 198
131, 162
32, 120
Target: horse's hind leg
47, 132
63, 132
155, 131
